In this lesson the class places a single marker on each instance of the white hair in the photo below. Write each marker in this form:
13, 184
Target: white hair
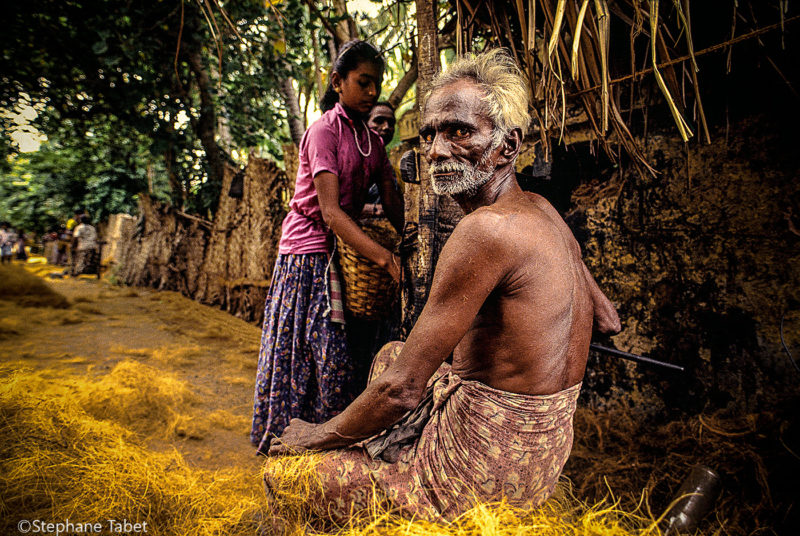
506, 92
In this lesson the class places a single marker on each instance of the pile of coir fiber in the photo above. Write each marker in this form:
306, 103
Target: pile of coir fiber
563, 514
62, 457
28, 290
58, 462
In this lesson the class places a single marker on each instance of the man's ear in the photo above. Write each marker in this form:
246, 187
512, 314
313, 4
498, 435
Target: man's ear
510, 147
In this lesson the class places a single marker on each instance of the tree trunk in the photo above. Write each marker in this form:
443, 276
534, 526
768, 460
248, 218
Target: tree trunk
345, 28
420, 201
224, 136
207, 122
317, 69
296, 128
404, 84
177, 190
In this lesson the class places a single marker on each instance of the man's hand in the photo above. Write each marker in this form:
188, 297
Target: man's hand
606, 318
299, 436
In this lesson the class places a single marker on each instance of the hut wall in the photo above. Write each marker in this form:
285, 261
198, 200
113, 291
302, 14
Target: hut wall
703, 261
226, 263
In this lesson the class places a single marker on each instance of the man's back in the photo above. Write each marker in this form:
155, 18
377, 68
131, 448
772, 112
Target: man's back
532, 333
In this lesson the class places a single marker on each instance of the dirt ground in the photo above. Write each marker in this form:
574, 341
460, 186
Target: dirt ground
174, 376
214, 353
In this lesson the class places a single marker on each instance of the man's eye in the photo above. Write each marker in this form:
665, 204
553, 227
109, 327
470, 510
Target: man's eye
460, 132
428, 138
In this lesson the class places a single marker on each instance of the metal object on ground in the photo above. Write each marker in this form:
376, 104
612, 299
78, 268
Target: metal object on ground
636, 357
695, 498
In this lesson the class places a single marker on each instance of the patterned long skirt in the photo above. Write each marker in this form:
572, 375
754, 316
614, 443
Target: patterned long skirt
304, 367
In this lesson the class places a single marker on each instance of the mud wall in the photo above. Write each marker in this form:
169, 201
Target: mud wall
226, 263
704, 262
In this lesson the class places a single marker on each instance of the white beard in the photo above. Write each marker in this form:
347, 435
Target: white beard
467, 180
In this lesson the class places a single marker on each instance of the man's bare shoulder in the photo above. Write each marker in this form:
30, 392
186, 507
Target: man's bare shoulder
510, 237
515, 220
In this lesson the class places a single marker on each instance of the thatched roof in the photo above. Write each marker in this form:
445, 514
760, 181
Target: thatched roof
588, 60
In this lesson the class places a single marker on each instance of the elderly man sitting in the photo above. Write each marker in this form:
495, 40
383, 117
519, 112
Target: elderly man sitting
511, 300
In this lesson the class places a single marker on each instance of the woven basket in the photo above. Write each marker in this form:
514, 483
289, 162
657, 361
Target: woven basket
369, 290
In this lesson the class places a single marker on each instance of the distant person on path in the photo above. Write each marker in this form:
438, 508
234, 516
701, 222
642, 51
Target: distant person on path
50, 240
6, 242
22, 255
84, 248
75, 219
304, 367
63, 246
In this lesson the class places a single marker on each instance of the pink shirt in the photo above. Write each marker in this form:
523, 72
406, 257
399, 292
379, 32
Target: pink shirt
329, 145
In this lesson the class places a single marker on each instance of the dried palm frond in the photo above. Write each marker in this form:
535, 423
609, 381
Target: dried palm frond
543, 35
683, 127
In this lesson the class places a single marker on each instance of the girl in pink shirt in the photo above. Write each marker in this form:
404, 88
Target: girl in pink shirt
304, 367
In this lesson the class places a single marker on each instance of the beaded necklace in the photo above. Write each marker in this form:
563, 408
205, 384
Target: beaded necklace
369, 140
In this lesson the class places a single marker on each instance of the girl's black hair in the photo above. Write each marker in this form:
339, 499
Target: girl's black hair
350, 56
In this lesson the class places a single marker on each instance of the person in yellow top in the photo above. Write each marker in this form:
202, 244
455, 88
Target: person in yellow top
74, 220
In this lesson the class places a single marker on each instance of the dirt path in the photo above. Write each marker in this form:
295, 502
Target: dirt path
212, 352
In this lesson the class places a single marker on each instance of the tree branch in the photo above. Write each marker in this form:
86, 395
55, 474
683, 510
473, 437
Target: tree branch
296, 128
338, 33
404, 84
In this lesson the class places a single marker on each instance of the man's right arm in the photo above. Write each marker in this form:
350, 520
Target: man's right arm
472, 263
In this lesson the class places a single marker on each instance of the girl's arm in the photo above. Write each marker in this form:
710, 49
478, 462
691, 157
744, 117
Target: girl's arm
327, 185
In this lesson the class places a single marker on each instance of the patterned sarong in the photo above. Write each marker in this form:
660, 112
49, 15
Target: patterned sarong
478, 444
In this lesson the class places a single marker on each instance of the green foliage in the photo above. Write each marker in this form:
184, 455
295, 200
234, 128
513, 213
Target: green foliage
100, 170
83, 61
153, 82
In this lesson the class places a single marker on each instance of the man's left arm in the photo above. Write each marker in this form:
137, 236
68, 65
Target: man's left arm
606, 317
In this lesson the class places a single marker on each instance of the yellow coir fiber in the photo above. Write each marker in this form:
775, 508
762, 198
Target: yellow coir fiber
178, 355
142, 398
57, 462
28, 290
294, 480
